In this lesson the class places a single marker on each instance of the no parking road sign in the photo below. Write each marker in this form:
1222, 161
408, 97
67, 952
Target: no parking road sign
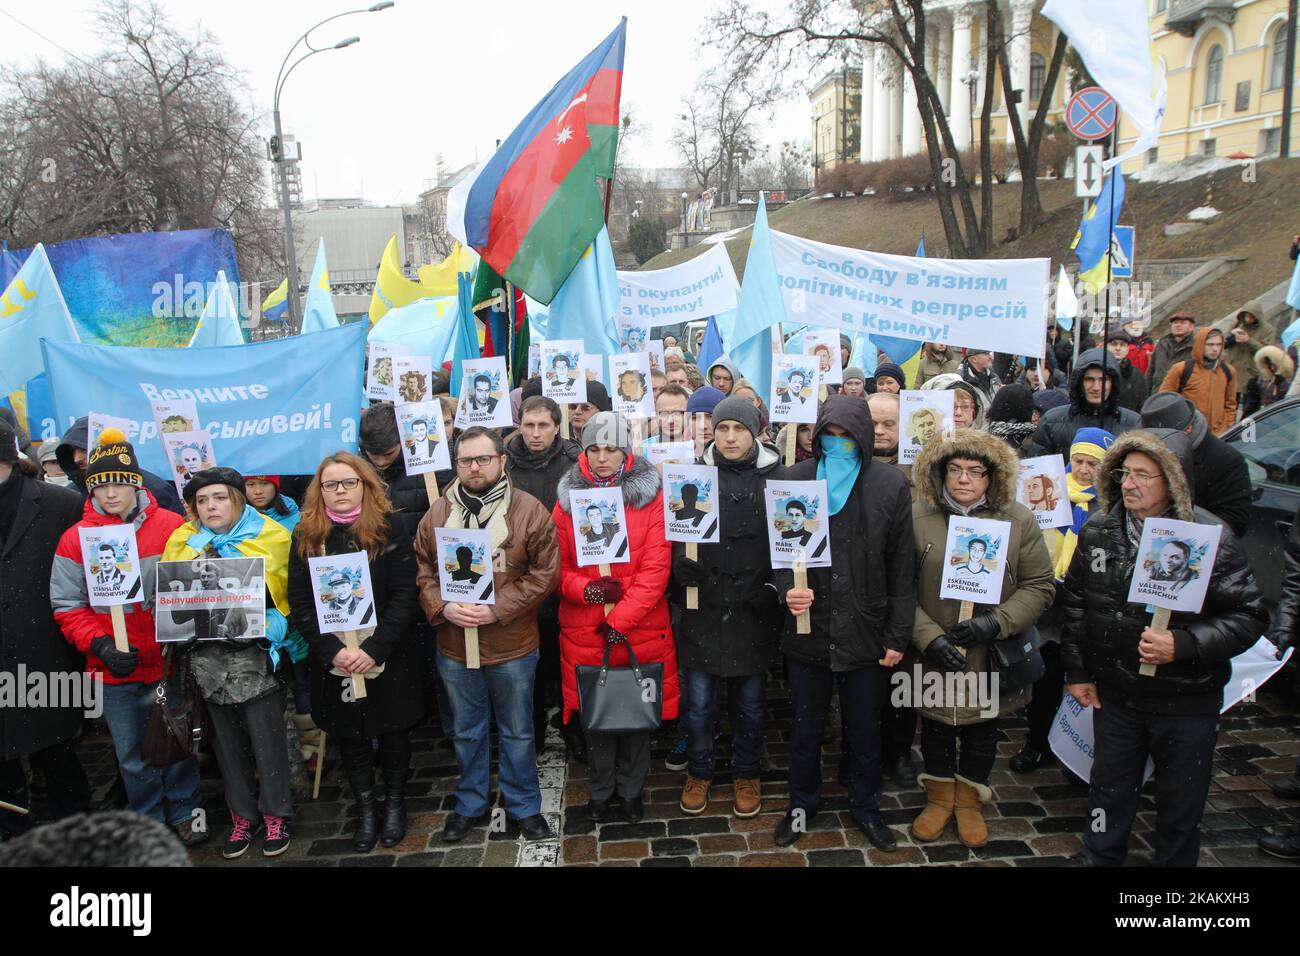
1091, 113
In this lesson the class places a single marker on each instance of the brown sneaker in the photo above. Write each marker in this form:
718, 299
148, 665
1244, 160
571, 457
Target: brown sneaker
695, 795
749, 797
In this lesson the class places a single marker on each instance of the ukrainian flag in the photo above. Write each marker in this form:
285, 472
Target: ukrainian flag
276, 305
1092, 241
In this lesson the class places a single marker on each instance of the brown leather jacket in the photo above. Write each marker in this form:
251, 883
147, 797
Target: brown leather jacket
526, 571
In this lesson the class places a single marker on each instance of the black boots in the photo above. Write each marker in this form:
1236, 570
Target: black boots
363, 789
396, 767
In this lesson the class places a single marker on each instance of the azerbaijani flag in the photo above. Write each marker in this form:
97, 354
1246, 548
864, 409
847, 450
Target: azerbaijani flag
534, 207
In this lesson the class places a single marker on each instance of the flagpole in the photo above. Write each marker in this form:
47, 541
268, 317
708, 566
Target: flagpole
1110, 240
510, 333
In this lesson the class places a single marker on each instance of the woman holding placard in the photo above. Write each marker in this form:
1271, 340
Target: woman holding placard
119, 500
346, 512
242, 679
969, 481
625, 606
1156, 688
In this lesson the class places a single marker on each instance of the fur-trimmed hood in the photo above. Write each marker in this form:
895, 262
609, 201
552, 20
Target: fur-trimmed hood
640, 485
1175, 463
928, 472
1284, 368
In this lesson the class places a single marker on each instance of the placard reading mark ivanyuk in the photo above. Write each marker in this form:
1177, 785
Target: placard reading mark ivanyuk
599, 526
975, 555
112, 564
345, 600
210, 599
798, 513
691, 504
1175, 560
465, 565
424, 445
483, 398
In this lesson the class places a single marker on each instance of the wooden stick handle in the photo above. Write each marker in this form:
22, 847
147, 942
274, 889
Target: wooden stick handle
791, 434
431, 486
693, 594
471, 648
966, 612
566, 427
320, 765
1159, 622
604, 573
358, 682
802, 622
21, 811
823, 393
119, 628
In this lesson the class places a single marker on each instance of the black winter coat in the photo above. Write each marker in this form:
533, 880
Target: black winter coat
1133, 387
1221, 483
408, 494
866, 602
735, 629
539, 475
1101, 630
395, 699
33, 516
1288, 604
1057, 428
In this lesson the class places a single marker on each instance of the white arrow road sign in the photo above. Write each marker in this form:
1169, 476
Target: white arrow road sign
1087, 171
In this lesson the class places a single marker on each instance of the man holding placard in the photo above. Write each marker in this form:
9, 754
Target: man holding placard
1156, 682
861, 613
71, 455
33, 517
729, 634
488, 643
102, 583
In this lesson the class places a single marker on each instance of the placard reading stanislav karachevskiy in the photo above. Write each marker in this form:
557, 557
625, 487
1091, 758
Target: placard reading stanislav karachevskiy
112, 564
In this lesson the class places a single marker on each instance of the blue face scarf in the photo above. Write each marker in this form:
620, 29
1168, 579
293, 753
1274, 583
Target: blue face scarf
839, 465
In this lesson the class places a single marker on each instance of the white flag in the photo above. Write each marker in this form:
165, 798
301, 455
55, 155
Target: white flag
1114, 39
1067, 303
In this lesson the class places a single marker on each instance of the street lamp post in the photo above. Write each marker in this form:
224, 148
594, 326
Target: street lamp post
290, 252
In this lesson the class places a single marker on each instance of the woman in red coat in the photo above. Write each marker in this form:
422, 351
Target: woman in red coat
635, 588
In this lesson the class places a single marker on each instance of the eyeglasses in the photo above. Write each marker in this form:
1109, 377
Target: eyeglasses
481, 460
345, 483
1139, 477
955, 471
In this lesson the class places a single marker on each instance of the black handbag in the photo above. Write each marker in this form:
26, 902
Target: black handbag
1019, 658
620, 700
171, 736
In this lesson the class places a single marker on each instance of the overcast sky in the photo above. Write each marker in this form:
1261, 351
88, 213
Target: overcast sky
428, 77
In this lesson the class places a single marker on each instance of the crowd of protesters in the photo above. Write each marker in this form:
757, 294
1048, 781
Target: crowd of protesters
1136, 422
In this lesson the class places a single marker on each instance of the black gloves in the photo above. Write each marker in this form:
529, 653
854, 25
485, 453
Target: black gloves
980, 629
610, 635
944, 655
1283, 639
604, 590
764, 601
689, 573
120, 665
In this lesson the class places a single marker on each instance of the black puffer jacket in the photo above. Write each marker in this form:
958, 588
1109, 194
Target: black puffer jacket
1101, 630
1288, 604
866, 602
408, 495
1221, 483
540, 475
1056, 429
734, 632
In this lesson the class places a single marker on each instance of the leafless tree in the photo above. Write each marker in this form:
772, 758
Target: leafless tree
152, 133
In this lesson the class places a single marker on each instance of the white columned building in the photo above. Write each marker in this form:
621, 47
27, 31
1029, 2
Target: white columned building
959, 95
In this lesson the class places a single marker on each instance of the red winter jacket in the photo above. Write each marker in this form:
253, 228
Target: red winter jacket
68, 593
642, 614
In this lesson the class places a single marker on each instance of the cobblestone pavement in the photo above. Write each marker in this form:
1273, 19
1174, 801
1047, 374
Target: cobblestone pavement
1036, 818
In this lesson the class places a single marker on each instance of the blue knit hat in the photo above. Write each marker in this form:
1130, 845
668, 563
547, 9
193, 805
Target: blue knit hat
704, 399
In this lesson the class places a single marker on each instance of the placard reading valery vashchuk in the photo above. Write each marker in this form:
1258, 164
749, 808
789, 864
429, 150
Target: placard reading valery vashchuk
345, 600
691, 504
599, 526
1175, 560
465, 565
798, 513
112, 564
975, 556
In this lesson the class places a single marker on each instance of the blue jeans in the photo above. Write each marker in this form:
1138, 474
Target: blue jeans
506, 690
169, 795
746, 696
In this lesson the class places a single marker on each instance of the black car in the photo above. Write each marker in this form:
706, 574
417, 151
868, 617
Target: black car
1269, 440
